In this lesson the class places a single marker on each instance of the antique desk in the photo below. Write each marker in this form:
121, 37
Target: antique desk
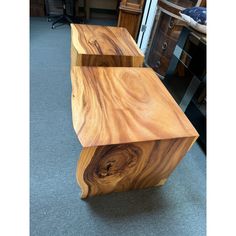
93, 45
132, 131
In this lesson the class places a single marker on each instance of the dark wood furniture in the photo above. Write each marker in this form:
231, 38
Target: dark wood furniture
37, 8
130, 13
166, 31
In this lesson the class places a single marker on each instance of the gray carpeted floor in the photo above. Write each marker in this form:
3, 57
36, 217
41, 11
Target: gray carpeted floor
178, 208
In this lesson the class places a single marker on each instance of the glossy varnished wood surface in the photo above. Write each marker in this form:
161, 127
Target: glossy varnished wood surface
124, 105
93, 45
121, 167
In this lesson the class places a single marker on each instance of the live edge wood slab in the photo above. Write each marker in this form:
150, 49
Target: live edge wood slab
132, 132
94, 45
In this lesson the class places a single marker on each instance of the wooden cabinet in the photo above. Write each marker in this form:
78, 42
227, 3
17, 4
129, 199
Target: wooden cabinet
130, 13
166, 31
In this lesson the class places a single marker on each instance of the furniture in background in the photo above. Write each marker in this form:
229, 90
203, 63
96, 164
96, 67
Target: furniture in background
61, 11
130, 13
186, 78
101, 4
132, 131
166, 31
79, 9
37, 8
93, 45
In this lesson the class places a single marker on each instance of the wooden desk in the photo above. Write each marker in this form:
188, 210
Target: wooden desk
132, 131
94, 45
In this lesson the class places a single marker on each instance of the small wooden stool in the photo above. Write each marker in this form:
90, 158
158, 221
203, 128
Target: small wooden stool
93, 45
132, 131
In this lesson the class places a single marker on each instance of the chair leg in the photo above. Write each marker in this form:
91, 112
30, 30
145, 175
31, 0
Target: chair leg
56, 21
64, 18
68, 19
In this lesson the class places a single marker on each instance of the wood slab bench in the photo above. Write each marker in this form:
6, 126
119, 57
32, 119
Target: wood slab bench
132, 131
94, 45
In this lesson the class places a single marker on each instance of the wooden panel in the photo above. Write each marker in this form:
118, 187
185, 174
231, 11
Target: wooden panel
95, 60
112, 105
182, 3
169, 8
103, 46
98, 60
130, 20
139, 3
116, 168
37, 8
130, 15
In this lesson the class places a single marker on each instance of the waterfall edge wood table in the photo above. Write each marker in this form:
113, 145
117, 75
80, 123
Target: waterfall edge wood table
95, 45
132, 131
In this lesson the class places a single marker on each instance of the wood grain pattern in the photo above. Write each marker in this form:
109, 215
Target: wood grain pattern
130, 19
93, 45
122, 167
130, 13
113, 105
132, 131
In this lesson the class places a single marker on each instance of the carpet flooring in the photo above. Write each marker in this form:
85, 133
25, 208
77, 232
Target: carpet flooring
178, 208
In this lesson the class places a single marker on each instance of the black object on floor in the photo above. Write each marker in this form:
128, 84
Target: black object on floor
61, 11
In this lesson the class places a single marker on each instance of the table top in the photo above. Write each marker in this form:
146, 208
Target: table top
104, 40
112, 105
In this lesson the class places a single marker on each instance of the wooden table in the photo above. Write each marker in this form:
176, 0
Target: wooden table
93, 45
132, 131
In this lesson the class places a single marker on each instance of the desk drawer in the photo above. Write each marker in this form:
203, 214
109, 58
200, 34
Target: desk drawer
159, 63
163, 44
170, 26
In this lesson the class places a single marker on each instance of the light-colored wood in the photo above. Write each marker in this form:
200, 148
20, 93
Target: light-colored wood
130, 19
122, 167
132, 131
93, 45
132, 3
130, 13
113, 105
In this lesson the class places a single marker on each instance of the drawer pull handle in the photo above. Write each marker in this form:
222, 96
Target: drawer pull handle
164, 46
171, 24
